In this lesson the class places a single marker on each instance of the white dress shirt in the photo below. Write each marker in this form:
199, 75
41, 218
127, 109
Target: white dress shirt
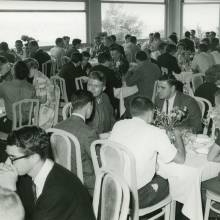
170, 106
80, 116
144, 141
41, 177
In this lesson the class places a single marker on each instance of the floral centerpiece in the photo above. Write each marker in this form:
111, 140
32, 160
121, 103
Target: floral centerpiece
170, 121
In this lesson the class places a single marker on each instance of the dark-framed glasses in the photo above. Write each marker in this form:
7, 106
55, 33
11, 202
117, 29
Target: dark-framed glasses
13, 159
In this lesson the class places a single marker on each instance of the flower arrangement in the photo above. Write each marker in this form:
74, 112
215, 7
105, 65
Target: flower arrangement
170, 121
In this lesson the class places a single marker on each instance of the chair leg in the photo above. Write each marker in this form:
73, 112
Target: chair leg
207, 208
167, 212
173, 210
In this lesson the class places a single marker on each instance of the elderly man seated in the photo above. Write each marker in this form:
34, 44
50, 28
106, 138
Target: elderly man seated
168, 98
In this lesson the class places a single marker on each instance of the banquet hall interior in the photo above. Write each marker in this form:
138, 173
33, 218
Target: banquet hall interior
109, 110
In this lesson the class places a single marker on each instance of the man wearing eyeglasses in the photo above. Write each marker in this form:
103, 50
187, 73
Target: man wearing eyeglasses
47, 190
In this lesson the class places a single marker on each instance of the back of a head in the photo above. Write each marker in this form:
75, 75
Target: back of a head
213, 74
76, 41
10, 206
133, 39
21, 70
171, 48
4, 46
31, 63
187, 34
173, 37
203, 47
33, 43
81, 98
104, 57
76, 57
140, 106
59, 41
97, 75
31, 140
141, 56
156, 35
113, 37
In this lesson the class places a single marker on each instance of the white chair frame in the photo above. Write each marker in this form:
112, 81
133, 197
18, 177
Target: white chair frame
79, 83
67, 110
74, 139
165, 204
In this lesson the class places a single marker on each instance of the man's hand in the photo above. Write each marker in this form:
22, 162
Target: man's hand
8, 176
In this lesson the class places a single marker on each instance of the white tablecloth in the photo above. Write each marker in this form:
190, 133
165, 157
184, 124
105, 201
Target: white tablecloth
185, 181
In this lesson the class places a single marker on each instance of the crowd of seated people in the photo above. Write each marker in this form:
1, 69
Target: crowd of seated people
95, 110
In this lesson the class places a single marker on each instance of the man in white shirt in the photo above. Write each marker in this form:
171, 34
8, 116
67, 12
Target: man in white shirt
141, 138
203, 60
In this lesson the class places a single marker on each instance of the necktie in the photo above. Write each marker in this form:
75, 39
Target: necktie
34, 192
167, 106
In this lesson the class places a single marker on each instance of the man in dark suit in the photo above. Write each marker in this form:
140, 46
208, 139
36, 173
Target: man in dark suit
52, 192
38, 54
82, 104
168, 97
112, 81
70, 72
144, 75
189, 44
168, 60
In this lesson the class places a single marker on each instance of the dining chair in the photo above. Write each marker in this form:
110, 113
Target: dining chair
206, 109
25, 112
49, 68
60, 82
79, 83
120, 160
67, 110
63, 143
111, 197
57, 103
211, 199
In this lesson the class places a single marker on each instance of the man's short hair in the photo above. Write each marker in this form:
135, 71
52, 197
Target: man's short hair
3, 60
58, 41
10, 205
127, 36
170, 48
193, 31
187, 34
113, 37
81, 98
19, 41
213, 33
33, 43
133, 39
76, 57
97, 75
31, 139
203, 47
115, 48
21, 70
141, 56
162, 46
31, 63
140, 105
170, 79
76, 41
4, 46
86, 54
66, 38
157, 35
103, 57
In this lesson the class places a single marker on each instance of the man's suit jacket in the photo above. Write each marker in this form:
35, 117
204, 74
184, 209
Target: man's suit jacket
144, 76
69, 72
181, 100
86, 135
63, 198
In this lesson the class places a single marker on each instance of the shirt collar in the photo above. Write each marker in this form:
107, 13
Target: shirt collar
79, 115
41, 177
171, 99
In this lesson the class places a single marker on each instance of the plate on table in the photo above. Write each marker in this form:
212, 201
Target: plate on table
202, 144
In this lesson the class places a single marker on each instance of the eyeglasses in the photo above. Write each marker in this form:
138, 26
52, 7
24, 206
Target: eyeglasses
17, 158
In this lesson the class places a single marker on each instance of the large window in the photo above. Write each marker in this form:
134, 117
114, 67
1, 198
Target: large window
203, 16
42, 20
137, 18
